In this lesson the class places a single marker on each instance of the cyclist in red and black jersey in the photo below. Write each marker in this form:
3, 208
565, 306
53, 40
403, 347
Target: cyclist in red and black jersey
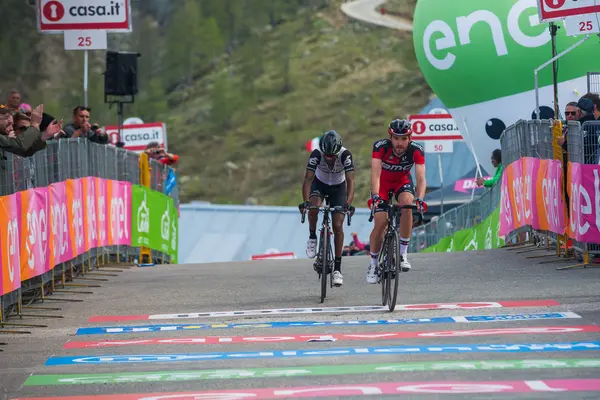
391, 163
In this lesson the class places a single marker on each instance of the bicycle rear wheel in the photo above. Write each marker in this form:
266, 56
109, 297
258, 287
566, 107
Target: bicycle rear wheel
324, 262
393, 270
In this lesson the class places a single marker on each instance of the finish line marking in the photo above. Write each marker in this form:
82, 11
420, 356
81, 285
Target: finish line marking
104, 330
315, 370
207, 340
320, 310
362, 389
333, 352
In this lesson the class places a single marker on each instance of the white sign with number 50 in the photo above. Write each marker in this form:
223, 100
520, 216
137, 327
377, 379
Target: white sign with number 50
86, 40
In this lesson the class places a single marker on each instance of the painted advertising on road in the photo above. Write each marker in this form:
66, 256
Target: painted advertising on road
315, 370
207, 340
361, 389
332, 352
290, 324
319, 310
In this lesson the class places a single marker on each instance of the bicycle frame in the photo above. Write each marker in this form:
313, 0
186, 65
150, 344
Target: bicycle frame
324, 244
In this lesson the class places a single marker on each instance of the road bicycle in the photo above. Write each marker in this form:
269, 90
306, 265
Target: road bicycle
388, 263
324, 262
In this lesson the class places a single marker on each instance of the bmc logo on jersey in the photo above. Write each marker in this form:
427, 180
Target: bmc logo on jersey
396, 168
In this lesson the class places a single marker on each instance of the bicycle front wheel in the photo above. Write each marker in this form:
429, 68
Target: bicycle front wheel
382, 271
393, 270
324, 262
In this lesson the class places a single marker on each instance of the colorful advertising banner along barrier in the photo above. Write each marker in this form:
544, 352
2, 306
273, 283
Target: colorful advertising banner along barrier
584, 199
483, 236
532, 194
44, 227
319, 310
207, 340
313, 370
330, 352
155, 220
107, 330
362, 389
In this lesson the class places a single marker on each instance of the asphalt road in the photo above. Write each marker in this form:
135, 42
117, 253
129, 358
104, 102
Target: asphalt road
198, 333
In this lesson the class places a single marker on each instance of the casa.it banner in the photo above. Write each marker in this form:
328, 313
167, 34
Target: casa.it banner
44, 227
532, 194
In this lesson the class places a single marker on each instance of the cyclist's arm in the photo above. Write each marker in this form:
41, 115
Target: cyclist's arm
421, 182
349, 171
311, 168
376, 163
350, 187
419, 158
375, 175
308, 178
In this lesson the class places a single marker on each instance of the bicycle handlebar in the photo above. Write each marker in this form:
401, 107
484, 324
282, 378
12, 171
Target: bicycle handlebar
327, 208
384, 204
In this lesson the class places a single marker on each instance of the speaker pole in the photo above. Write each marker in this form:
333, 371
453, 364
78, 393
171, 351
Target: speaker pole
120, 143
86, 66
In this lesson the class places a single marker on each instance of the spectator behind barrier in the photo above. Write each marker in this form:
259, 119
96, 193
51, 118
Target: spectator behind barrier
156, 152
30, 140
595, 99
497, 163
590, 136
81, 127
14, 100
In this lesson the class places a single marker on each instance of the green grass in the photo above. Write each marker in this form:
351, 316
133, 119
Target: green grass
353, 79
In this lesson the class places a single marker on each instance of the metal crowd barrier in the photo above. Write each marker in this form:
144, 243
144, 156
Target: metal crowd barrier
465, 216
539, 139
70, 159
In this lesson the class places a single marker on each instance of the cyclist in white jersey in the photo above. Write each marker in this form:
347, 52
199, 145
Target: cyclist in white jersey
330, 171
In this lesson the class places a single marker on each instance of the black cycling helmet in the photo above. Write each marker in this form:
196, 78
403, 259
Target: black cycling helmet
330, 143
399, 127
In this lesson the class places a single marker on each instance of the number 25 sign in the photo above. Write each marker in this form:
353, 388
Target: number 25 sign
582, 24
85, 40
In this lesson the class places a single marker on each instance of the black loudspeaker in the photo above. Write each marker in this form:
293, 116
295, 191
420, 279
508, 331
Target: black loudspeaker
120, 78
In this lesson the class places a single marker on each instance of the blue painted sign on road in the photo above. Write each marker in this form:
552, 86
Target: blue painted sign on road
357, 351
289, 324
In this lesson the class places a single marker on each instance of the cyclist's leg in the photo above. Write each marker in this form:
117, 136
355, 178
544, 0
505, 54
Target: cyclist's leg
376, 238
405, 196
316, 198
337, 195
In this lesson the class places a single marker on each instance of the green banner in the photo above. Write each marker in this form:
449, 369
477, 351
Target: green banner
483, 236
245, 373
154, 221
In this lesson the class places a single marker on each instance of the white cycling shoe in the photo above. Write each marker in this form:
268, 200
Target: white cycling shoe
311, 248
372, 274
404, 264
338, 278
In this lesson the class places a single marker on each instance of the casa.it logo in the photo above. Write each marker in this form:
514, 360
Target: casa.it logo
555, 4
54, 11
419, 127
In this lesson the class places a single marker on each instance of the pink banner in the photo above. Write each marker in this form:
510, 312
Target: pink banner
62, 251
102, 210
76, 215
531, 194
35, 233
467, 185
91, 214
531, 167
554, 204
506, 214
119, 218
10, 228
584, 198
